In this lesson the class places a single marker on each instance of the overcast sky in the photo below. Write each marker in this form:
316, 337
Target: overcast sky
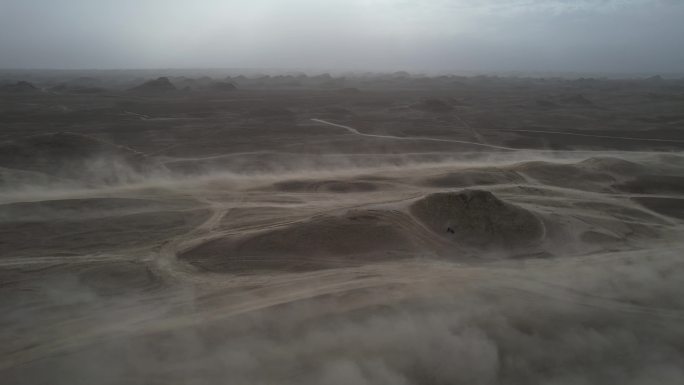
431, 35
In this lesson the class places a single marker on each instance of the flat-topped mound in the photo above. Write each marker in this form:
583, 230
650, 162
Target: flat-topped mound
473, 177
355, 238
612, 165
71, 155
50, 149
331, 186
567, 175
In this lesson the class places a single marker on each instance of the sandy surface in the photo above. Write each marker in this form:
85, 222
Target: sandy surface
312, 236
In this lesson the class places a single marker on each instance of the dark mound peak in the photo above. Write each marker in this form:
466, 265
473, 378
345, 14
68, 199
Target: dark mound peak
433, 105
20, 86
159, 85
222, 86
478, 218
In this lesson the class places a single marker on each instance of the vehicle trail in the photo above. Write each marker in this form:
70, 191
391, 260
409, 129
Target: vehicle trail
473, 131
421, 138
599, 136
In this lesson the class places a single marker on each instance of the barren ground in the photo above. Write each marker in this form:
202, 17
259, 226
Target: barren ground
372, 231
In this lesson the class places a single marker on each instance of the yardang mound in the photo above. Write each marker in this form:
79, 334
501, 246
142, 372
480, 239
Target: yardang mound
159, 85
19, 87
222, 86
478, 218
72, 155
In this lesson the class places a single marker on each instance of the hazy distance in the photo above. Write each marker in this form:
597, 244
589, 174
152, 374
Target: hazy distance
619, 36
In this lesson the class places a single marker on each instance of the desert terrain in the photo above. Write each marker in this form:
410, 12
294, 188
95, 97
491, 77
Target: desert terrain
167, 227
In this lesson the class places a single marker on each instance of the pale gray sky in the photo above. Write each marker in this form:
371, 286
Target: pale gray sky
431, 35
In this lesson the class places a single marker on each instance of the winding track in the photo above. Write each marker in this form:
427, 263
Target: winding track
414, 138
483, 143
600, 136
